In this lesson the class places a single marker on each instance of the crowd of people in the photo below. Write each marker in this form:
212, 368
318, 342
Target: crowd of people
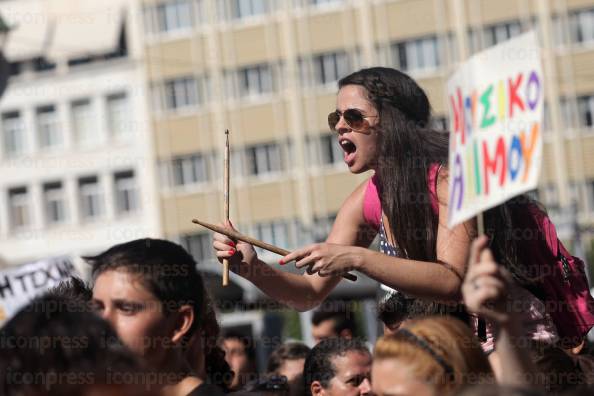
146, 326
463, 313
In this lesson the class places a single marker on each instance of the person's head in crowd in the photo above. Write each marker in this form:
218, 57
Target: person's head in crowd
392, 311
288, 360
397, 309
241, 357
330, 321
154, 297
338, 367
56, 346
73, 289
429, 356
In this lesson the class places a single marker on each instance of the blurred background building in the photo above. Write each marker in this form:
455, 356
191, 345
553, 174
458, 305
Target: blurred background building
76, 142
113, 123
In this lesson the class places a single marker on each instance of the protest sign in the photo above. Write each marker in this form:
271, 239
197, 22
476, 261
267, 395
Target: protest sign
19, 285
496, 107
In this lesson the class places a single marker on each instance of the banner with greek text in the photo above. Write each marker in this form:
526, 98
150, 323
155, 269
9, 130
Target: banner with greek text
19, 285
496, 109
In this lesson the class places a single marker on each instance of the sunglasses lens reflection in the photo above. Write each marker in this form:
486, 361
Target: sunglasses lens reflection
333, 119
352, 117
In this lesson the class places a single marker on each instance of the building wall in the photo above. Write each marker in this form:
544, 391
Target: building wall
288, 38
261, 77
115, 145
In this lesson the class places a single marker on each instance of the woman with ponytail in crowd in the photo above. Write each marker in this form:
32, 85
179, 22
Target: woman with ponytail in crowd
154, 297
382, 122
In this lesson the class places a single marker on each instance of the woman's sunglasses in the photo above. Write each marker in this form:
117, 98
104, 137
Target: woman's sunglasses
353, 117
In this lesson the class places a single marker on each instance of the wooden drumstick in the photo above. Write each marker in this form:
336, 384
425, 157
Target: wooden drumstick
226, 206
256, 242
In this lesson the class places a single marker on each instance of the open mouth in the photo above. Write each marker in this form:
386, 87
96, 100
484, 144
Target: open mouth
349, 149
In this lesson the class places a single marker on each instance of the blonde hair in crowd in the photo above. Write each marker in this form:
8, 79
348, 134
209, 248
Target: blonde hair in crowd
440, 351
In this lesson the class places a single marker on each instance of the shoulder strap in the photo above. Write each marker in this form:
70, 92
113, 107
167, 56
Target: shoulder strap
432, 175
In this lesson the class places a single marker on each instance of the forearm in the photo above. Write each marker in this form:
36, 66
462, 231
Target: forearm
295, 290
517, 368
422, 279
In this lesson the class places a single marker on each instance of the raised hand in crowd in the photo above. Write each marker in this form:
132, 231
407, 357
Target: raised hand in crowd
486, 293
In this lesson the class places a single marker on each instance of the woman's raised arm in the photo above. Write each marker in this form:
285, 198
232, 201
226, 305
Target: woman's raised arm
302, 292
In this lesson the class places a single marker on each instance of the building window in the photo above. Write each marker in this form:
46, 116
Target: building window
179, 93
473, 39
575, 193
91, 198
322, 227
546, 119
324, 150
585, 108
263, 159
330, 150
418, 55
169, 16
550, 197
19, 206
198, 245
15, 69
54, 200
560, 35
590, 193
239, 9
84, 123
189, 170
581, 26
118, 115
126, 192
48, 128
567, 108
324, 2
330, 67
13, 134
274, 232
499, 33
43, 65
255, 80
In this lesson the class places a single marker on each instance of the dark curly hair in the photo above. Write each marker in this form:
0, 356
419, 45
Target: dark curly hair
55, 346
318, 364
284, 352
169, 272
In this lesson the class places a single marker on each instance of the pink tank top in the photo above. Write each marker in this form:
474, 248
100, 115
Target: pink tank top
372, 207
536, 323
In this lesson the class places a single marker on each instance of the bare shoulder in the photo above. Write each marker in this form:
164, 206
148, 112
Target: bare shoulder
442, 186
352, 208
350, 222
464, 231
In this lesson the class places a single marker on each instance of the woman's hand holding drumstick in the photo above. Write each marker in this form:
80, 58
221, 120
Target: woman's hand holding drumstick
242, 253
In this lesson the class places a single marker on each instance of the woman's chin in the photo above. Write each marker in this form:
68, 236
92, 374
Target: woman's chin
357, 168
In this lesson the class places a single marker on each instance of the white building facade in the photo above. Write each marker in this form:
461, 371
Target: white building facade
76, 166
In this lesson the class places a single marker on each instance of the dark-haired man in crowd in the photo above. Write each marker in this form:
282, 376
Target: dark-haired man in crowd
287, 360
329, 322
241, 357
338, 367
